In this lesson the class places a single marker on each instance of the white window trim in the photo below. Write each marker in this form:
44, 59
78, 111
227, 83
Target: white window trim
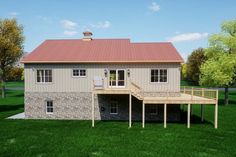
150, 76
156, 113
47, 107
114, 102
72, 73
44, 78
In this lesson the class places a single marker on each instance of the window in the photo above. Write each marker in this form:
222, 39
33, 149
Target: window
114, 108
44, 76
79, 73
153, 110
159, 75
49, 107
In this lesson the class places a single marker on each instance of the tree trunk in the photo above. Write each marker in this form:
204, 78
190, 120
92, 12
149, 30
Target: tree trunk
3, 89
226, 95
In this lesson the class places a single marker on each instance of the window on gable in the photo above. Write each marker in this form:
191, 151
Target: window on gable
114, 108
44, 76
158, 75
49, 106
79, 72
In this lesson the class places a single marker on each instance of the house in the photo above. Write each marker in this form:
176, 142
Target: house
108, 79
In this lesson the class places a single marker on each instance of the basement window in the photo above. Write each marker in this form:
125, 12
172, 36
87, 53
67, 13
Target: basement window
79, 73
153, 110
114, 107
49, 106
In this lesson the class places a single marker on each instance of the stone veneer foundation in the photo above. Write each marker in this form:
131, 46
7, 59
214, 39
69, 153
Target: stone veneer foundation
74, 105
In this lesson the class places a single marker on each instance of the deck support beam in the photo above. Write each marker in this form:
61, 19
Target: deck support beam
130, 110
216, 115
143, 116
188, 118
202, 118
165, 115
92, 109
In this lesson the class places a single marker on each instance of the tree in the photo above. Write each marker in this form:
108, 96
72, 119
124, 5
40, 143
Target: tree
11, 47
183, 71
14, 74
220, 68
194, 62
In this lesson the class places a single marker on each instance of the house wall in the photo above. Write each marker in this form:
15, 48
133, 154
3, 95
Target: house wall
76, 105
64, 82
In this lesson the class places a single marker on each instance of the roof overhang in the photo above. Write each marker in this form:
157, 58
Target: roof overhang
103, 62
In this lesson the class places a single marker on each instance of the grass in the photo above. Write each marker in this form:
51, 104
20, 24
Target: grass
113, 138
15, 84
12, 104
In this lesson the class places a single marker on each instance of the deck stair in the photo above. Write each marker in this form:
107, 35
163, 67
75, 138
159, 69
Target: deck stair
136, 91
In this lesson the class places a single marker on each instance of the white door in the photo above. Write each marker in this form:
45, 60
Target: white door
117, 78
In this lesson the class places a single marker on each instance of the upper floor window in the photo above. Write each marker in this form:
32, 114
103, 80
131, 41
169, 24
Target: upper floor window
44, 76
158, 75
79, 72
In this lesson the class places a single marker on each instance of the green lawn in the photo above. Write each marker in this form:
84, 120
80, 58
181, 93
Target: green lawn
15, 84
77, 138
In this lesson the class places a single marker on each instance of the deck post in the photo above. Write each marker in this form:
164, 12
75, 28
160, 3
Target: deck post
216, 115
130, 110
203, 92
143, 117
216, 111
188, 118
202, 119
192, 94
92, 109
165, 115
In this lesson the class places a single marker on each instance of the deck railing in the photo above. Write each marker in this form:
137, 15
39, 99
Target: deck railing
201, 92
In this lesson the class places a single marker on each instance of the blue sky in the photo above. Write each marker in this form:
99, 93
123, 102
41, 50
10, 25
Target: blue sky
186, 23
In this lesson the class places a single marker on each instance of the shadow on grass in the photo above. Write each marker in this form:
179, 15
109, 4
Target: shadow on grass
232, 101
183, 120
4, 108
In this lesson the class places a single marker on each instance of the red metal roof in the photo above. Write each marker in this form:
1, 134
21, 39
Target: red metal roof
102, 51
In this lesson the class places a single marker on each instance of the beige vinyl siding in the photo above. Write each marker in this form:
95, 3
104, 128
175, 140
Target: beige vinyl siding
64, 82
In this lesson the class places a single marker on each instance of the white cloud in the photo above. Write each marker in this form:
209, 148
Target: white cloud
13, 13
70, 32
105, 24
188, 37
69, 25
154, 7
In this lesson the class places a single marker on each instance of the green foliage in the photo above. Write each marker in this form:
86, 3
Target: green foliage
11, 43
14, 74
22, 76
220, 69
183, 71
11, 46
194, 62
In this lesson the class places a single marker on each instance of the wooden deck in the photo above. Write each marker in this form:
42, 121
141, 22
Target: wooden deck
187, 96
182, 99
